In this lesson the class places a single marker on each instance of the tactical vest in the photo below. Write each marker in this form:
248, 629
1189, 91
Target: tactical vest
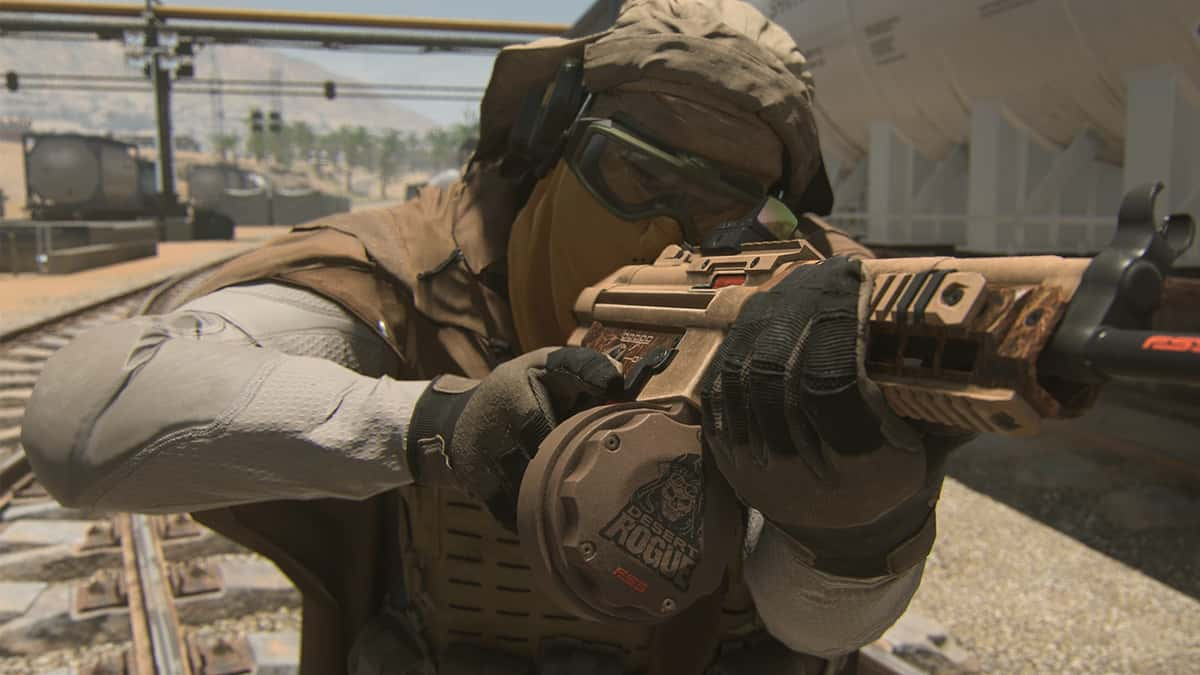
428, 278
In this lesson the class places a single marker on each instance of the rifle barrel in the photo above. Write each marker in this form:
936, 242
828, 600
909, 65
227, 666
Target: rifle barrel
1146, 355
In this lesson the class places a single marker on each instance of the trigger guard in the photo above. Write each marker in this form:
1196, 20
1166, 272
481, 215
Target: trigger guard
623, 516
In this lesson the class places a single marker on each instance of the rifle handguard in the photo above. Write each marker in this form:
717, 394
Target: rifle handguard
980, 344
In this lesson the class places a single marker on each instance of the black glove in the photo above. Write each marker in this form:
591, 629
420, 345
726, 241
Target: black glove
479, 435
804, 437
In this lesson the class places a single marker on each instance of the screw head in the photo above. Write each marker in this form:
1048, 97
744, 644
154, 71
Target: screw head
952, 295
588, 550
1033, 317
668, 606
612, 442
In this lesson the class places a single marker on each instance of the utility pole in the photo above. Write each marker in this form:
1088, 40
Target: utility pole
275, 118
160, 77
218, 102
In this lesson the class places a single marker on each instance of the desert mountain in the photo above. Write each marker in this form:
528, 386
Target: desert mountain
193, 114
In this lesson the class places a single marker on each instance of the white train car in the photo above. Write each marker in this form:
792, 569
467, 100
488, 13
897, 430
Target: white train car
1001, 126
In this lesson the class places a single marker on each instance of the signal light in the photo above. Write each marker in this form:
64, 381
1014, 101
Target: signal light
330, 90
276, 122
256, 121
11, 81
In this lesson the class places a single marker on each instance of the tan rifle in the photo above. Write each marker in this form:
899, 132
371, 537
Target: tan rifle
981, 344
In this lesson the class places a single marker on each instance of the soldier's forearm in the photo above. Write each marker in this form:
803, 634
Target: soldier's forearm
818, 613
195, 409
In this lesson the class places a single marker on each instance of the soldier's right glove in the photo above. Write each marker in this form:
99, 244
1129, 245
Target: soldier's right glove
806, 438
479, 435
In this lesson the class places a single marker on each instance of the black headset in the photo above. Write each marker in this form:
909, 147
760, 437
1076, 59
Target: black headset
539, 133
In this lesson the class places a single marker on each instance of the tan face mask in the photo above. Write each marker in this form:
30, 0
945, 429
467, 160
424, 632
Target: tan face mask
562, 242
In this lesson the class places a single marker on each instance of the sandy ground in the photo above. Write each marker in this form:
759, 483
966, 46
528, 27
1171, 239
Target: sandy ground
1076, 551
12, 178
29, 298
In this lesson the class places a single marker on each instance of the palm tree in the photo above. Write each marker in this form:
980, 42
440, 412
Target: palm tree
256, 142
225, 144
284, 148
357, 146
329, 147
339, 146
446, 145
354, 145
302, 137
414, 150
390, 154
441, 143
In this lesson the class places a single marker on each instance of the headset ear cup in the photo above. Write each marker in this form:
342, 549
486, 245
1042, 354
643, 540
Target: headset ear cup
538, 134
818, 195
562, 103
518, 160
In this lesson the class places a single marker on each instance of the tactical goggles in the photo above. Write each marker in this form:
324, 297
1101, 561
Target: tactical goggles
636, 178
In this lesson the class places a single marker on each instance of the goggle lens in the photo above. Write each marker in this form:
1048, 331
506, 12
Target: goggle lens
636, 180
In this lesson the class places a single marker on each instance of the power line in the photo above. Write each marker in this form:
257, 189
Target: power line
418, 48
240, 35
254, 16
123, 89
350, 85
217, 102
221, 82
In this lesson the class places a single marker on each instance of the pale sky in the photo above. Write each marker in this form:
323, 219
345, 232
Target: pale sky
460, 69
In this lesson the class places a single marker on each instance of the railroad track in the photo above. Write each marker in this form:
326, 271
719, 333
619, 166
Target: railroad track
122, 594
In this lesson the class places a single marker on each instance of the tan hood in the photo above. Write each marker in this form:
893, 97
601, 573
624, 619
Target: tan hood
712, 77
722, 54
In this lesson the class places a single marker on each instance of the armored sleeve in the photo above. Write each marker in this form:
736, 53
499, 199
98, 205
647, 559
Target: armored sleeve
814, 612
254, 392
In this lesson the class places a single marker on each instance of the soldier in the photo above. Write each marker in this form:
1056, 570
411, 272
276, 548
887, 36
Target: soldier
289, 400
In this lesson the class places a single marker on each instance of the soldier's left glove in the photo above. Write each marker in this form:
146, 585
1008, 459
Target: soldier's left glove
806, 438
479, 435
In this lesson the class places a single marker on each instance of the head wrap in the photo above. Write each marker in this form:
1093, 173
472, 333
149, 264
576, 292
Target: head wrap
710, 77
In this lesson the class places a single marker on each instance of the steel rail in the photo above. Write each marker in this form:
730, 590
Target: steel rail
342, 39
142, 652
285, 17
164, 634
14, 470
